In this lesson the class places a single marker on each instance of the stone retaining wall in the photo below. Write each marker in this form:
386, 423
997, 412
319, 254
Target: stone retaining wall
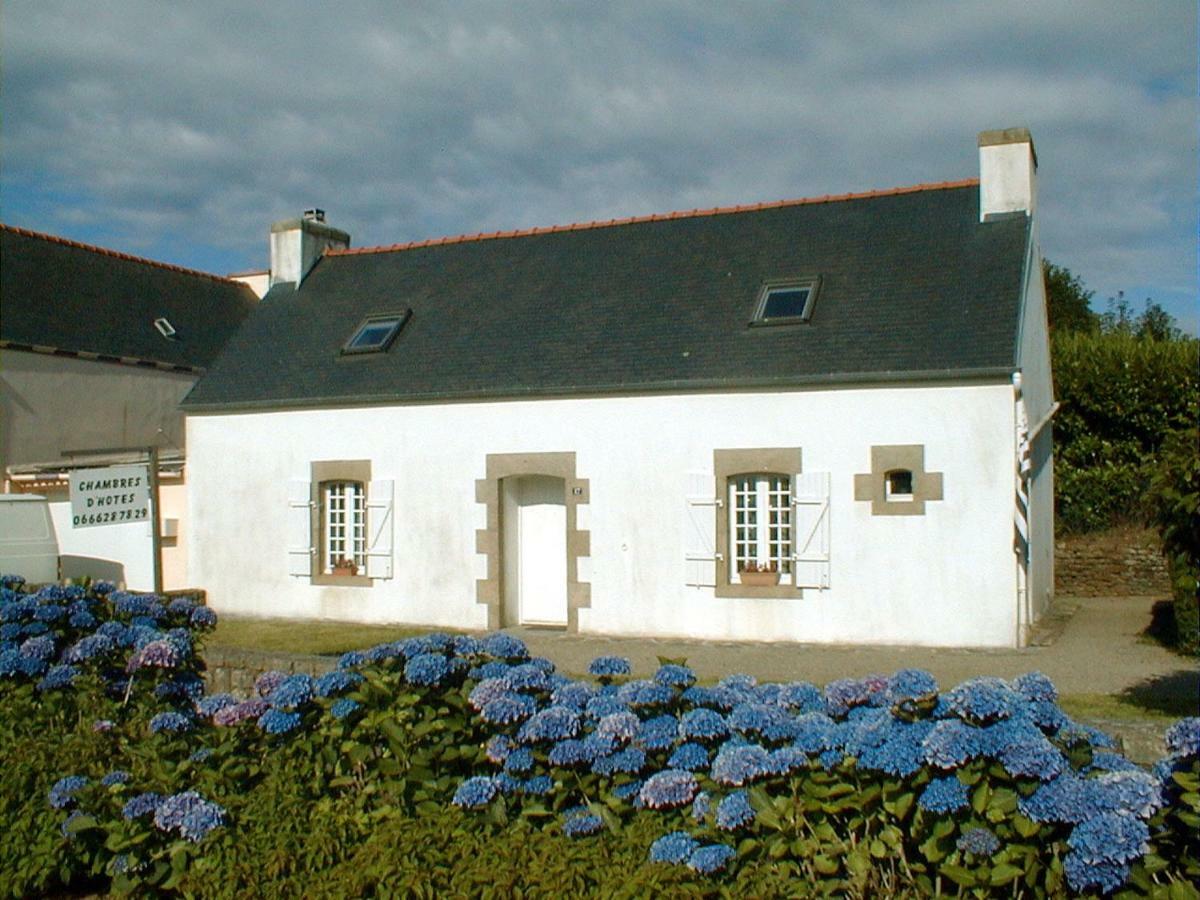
235, 670
1104, 565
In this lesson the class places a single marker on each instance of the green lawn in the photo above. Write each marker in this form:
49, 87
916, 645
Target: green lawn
1164, 703
302, 636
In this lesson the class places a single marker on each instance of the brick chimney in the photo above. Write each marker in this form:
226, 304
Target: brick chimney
1007, 172
297, 244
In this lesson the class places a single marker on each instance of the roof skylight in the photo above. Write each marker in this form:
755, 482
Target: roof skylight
165, 328
785, 303
376, 333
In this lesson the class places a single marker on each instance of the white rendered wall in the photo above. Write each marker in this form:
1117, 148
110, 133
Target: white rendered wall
1037, 388
944, 578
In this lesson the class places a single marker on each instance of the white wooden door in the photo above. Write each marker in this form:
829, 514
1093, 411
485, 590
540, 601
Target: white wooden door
541, 550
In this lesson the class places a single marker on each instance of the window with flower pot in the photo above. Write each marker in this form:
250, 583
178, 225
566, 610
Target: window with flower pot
343, 527
340, 524
760, 534
756, 526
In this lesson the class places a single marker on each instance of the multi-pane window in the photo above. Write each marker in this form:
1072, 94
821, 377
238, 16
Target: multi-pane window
761, 526
345, 525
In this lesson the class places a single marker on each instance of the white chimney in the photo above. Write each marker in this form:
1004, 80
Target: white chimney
297, 244
1007, 172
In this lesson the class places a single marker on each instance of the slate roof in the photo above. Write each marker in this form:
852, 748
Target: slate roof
912, 286
62, 296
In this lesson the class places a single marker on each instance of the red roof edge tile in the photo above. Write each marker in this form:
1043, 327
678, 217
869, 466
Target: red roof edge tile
654, 217
116, 254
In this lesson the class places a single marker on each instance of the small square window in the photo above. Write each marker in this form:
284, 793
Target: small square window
783, 304
376, 333
898, 485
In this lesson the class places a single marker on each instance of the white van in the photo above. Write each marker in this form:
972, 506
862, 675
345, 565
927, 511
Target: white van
28, 544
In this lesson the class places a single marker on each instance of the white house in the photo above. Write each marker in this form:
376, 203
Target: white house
97, 348
611, 427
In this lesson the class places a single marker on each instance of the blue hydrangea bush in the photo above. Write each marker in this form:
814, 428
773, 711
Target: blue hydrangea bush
876, 785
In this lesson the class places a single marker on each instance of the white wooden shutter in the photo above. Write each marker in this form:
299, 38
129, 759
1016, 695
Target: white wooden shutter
700, 531
810, 529
379, 529
300, 549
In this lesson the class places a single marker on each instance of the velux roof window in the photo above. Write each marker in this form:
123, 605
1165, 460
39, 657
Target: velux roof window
376, 333
785, 303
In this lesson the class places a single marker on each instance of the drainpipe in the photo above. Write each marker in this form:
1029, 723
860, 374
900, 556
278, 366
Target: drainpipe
1021, 509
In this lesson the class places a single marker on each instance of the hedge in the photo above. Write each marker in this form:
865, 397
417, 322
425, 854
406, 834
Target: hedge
1121, 397
454, 765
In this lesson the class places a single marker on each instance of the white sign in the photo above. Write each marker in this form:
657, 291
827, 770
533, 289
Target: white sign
110, 496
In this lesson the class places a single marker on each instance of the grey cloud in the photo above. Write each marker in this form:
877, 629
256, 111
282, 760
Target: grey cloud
405, 121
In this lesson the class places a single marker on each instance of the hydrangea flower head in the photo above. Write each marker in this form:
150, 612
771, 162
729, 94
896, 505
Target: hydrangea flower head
710, 859
675, 847
574, 694
115, 777
426, 669
505, 646
266, 683
170, 723
984, 699
703, 724
342, 707
643, 693
631, 760
526, 677
475, 793
278, 721
62, 794
609, 666
668, 789
1112, 837
334, 682
943, 795
292, 692
978, 841
739, 764
909, 688
141, 805
734, 811
1183, 738
581, 822
951, 743
554, 723
40, 647
1035, 687
658, 733
690, 756
57, 678
244, 711
621, 726
508, 709
671, 675
88, 647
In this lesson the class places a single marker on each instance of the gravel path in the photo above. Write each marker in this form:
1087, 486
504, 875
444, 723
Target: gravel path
1090, 645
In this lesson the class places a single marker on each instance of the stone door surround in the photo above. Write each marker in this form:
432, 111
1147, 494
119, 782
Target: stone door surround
488, 541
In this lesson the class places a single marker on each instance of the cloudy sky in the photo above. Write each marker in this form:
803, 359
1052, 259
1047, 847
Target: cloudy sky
180, 131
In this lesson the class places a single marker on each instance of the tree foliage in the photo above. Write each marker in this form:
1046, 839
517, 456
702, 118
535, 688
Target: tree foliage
1068, 301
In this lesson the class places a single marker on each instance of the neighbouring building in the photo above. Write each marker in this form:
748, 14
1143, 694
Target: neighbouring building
820, 420
97, 348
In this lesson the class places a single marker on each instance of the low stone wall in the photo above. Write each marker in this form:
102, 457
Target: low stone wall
235, 670
1110, 564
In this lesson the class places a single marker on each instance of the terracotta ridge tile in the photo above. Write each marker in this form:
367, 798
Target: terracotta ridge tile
116, 254
653, 217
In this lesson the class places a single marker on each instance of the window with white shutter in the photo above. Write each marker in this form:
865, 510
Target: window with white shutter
810, 498
340, 525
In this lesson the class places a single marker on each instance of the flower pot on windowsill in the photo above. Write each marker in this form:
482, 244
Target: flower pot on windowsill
344, 568
759, 579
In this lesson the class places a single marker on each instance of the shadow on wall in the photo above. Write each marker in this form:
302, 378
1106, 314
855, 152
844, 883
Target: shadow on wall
91, 567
